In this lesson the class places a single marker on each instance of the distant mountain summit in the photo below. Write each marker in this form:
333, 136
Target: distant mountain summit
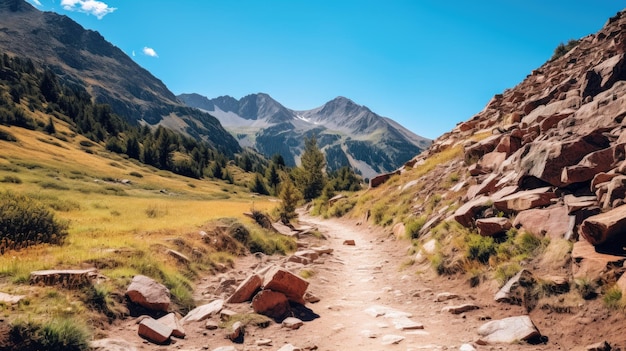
350, 134
83, 57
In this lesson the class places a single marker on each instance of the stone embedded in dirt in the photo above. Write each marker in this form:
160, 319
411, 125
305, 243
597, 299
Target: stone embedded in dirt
552, 222
349, 242
226, 314
170, 320
111, 344
246, 289
180, 257
404, 323
272, 304
458, 309
312, 255
299, 260
602, 227
321, 250
203, 312
148, 293
311, 298
154, 331
390, 339
69, 278
289, 347
292, 323
211, 324
493, 226
284, 230
516, 288
508, 330
236, 332
280, 280
600, 346
10, 299
225, 348
467, 347
445, 296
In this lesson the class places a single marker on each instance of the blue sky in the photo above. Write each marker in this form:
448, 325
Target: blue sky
426, 64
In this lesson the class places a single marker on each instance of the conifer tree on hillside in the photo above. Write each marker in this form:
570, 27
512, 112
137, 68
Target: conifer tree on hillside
310, 177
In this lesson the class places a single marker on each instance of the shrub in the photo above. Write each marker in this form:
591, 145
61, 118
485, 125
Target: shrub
612, 298
412, 228
55, 335
11, 179
239, 232
6, 136
25, 221
563, 49
480, 248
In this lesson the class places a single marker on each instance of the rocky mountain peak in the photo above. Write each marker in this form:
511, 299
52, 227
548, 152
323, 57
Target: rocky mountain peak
16, 6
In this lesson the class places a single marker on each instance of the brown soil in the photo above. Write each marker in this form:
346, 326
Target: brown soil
375, 272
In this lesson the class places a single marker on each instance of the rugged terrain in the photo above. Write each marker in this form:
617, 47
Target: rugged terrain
348, 133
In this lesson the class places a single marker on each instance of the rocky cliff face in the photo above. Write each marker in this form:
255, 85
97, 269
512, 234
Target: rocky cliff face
547, 157
348, 133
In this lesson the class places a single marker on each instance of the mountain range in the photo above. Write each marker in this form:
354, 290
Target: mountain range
350, 134
84, 58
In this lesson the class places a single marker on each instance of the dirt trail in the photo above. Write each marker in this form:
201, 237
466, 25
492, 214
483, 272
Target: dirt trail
355, 283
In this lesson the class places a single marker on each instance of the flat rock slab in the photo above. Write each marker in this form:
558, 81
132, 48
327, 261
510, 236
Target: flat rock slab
203, 312
69, 279
445, 296
172, 321
508, 330
349, 242
154, 331
292, 323
386, 312
460, 308
391, 339
405, 323
11, 299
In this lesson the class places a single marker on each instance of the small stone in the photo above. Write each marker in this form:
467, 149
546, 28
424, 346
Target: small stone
225, 348
292, 323
467, 347
227, 314
289, 347
211, 325
460, 308
445, 296
406, 324
236, 331
392, 339
349, 242
264, 342
600, 346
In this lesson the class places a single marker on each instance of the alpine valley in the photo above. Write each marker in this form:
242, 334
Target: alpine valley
348, 133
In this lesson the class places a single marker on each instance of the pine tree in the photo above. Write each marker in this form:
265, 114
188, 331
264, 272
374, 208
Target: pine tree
273, 178
289, 197
258, 186
310, 178
50, 129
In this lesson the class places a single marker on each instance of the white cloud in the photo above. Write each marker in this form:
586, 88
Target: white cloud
36, 2
133, 53
149, 52
93, 7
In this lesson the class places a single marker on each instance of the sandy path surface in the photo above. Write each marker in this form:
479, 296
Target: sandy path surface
368, 294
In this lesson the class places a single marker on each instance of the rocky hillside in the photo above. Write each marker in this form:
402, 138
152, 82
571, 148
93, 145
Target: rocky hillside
83, 57
348, 133
544, 162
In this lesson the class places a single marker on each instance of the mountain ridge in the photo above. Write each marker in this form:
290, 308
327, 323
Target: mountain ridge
344, 130
83, 57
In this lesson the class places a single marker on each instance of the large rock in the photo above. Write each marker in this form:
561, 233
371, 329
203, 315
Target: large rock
605, 226
508, 330
272, 304
203, 312
488, 185
553, 222
493, 226
154, 331
616, 190
589, 264
465, 214
170, 320
603, 76
292, 286
148, 293
246, 289
545, 160
525, 200
588, 167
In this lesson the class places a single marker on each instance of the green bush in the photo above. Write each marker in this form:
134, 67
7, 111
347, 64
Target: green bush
239, 232
55, 335
25, 222
480, 248
412, 228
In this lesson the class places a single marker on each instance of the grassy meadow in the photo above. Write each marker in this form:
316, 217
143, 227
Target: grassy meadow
122, 218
